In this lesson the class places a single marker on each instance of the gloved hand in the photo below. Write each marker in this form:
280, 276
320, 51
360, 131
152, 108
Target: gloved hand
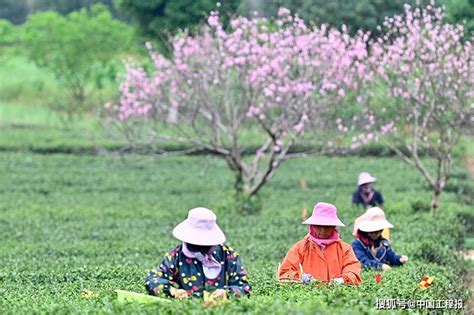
179, 293
337, 281
404, 259
219, 294
386, 267
306, 278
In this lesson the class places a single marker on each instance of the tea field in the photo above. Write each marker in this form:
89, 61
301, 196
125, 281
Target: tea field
83, 222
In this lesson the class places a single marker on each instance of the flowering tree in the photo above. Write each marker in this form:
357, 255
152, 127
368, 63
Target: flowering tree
427, 71
262, 81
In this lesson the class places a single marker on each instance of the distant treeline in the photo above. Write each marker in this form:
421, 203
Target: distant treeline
160, 17
17, 11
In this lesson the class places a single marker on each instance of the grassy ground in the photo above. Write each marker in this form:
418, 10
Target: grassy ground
99, 223
23, 82
38, 129
35, 127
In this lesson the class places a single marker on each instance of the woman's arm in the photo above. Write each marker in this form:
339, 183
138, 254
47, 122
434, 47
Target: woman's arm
351, 268
289, 269
237, 274
163, 277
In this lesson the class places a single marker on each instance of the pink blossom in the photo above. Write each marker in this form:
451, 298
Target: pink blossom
213, 20
283, 11
249, 75
299, 127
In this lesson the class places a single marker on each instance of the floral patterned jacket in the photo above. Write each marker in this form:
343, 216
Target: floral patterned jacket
178, 271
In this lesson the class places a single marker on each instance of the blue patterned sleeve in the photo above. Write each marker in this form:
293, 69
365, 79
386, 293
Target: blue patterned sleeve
236, 274
161, 278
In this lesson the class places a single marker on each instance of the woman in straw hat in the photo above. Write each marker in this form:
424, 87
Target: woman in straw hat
200, 263
366, 195
373, 250
321, 254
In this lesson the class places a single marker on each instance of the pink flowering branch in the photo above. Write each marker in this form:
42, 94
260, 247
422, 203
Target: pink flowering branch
426, 71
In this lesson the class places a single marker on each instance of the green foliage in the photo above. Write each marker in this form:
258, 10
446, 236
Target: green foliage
421, 206
461, 12
71, 223
17, 11
247, 205
157, 17
80, 49
9, 39
6, 32
36, 128
362, 14
23, 82
467, 217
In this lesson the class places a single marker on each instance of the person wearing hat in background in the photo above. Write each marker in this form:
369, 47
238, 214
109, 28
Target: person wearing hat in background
202, 262
373, 250
366, 195
321, 254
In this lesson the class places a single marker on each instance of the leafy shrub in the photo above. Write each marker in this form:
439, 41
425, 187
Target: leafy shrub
237, 203
433, 252
463, 187
79, 49
6, 35
467, 217
421, 206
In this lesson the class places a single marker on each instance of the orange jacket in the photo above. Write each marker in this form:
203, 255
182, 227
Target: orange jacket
336, 260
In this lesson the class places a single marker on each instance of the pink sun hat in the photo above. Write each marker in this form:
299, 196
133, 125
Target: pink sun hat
200, 228
324, 214
365, 178
372, 220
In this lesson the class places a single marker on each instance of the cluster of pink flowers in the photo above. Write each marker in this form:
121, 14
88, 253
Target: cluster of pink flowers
427, 70
276, 70
134, 93
284, 74
387, 128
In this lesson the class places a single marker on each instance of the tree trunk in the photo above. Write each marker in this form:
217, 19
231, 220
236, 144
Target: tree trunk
245, 201
436, 200
172, 116
239, 183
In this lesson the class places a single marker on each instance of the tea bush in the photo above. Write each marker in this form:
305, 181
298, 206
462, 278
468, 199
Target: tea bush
99, 223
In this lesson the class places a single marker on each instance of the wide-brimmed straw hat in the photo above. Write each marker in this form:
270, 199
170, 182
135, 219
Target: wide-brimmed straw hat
200, 228
365, 178
324, 214
372, 220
